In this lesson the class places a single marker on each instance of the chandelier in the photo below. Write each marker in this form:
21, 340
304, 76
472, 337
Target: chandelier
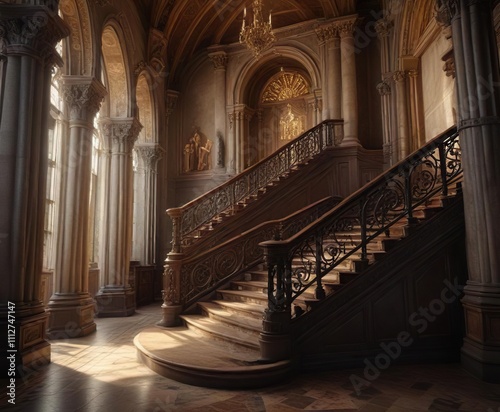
258, 36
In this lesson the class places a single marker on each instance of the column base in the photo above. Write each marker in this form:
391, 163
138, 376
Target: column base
481, 349
30, 350
70, 316
170, 316
350, 141
115, 302
482, 362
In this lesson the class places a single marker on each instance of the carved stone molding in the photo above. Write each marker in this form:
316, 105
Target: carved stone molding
31, 30
102, 3
446, 10
384, 88
449, 64
219, 60
120, 135
383, 28
141, 66
171, 99
84, 97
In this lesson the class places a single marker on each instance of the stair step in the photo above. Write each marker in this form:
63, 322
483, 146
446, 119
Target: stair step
238, 321
244, 296
258, 286
218, 331
242, 308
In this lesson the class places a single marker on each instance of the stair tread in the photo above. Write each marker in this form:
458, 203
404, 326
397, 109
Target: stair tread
247, 293
220, 330
220, 312
254, 283
241, 306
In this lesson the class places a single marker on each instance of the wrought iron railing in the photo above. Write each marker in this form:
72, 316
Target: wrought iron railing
195, 277
187, 219
300, 262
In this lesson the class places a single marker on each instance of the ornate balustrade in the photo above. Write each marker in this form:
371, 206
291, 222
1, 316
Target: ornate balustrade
224, 198
300, 262
189, 278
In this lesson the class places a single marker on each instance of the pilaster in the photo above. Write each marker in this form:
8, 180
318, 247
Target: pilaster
145, 189
29, 33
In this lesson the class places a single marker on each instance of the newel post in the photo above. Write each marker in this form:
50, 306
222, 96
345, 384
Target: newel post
171, 293
275, 343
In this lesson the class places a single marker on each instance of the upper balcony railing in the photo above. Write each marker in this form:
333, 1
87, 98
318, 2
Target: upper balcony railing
224, 198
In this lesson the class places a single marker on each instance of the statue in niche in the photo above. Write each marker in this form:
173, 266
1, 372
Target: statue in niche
196, 153
291, 126
220, 150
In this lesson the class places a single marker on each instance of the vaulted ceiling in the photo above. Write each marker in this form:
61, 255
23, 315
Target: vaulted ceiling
192, 25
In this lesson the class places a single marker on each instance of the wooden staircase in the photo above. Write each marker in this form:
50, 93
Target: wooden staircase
223, 337
226, 329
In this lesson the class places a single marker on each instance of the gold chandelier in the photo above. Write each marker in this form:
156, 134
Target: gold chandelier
258, 36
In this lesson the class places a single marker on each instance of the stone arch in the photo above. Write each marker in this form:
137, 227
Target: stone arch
263, 131
306, 60
80, 45
145, 105
116, 73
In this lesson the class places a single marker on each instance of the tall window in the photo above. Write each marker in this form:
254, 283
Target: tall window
54, 140
93, 234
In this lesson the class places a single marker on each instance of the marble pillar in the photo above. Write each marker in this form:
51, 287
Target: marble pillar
349, 82
219, 60
116, 297
145, 190
402, 108
71, 308
478, 86
29, 31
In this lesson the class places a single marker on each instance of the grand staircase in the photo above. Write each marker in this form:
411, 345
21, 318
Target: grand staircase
246, 329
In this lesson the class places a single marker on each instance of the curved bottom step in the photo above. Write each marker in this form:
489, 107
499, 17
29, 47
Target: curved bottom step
183, 355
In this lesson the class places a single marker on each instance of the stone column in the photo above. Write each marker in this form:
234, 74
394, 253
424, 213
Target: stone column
71, 307
231, 146
334, 96
402, 107
29, 31
384, 90
219, 59
116, 298
246, 152
478, 84
145, 191
349, 82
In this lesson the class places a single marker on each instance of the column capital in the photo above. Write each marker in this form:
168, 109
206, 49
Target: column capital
31, 29
149, 154
347, 26
327, 32
120, 135
219, 59
83, 95
399, 76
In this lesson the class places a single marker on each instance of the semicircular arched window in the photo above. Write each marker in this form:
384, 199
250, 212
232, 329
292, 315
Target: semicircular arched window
285, 86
